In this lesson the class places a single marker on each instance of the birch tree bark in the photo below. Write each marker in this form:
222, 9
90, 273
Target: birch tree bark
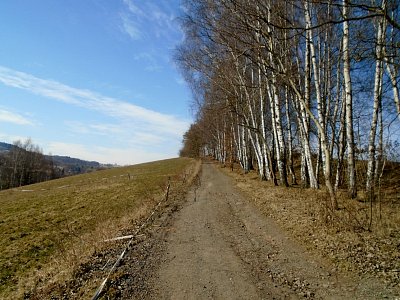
341, 147
352, 188
380, 37
289, 139
325, 148
391, 71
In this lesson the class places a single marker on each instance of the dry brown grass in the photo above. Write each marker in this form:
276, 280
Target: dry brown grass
347, 236
48, 229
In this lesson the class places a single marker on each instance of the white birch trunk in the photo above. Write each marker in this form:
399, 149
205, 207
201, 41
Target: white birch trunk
325, 148
281, 147
320, 122
305, 117
341, 147
377, 99
337, 102
316, 70
395, 88
352, 188
290, 146
379, 158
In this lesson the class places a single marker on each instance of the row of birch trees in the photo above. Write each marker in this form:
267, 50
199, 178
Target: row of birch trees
277, 82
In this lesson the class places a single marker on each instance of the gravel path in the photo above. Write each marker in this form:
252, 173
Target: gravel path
213, 243
221, 247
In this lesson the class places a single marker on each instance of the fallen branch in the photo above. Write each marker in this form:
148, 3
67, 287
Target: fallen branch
115, 265
120, 238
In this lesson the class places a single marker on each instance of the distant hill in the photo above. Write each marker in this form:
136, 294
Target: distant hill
4, 147
65, 164
72, 166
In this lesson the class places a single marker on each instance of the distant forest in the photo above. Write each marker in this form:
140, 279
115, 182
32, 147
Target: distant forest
24, 163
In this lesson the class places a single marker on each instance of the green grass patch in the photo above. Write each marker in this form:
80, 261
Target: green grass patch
38, 221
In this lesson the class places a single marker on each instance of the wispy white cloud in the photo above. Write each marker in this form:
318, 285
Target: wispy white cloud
147, 138
114, 131
11, 138
157, 18
107, 129
130, 27
180, 81
106, 154
77, 127
140, 117
10, 117
120, 133
150, 60
153, 22
133, 8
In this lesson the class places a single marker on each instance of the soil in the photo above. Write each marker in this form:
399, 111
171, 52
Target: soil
222, 247
214, 243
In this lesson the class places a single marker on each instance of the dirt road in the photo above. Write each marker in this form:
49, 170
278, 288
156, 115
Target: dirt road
221, 247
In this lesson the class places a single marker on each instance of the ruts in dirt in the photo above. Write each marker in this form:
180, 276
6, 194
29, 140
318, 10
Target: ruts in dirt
214, 244
221, 247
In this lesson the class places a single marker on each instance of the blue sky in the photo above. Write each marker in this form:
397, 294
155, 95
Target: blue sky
93, 79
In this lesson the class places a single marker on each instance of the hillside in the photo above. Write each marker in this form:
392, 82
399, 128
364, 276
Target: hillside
242, 238
73, 166
4, 147
48, 229
65, 164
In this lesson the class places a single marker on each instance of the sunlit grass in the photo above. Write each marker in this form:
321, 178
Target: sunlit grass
38, 221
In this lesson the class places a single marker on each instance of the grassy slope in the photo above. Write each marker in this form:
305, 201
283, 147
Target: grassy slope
43, 220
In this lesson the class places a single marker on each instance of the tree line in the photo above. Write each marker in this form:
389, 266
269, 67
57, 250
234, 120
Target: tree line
25, 164
314, 81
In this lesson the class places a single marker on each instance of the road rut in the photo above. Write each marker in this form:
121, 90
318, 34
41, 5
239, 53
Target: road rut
221, 247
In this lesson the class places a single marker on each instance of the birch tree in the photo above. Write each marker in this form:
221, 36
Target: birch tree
380, 38
349, 103
284, 77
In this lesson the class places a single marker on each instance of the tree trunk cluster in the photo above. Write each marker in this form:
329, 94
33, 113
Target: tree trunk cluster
280, 83
25, 164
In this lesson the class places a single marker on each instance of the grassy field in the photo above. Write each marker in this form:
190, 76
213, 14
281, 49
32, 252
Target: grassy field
46, 228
